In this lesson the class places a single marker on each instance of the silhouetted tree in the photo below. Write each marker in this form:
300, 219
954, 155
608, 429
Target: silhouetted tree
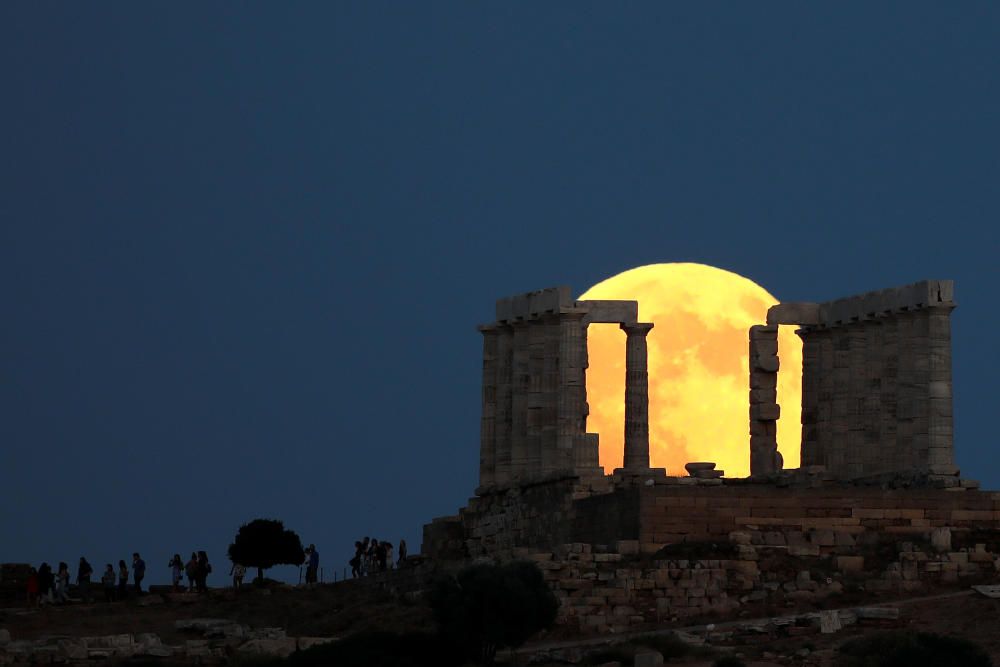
264, 543
485, 607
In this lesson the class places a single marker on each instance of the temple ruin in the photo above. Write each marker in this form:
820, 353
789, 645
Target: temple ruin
534, 418
877, 471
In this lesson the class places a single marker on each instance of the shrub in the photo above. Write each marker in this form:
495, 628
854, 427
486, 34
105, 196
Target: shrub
912, 649
264, 543
486, 607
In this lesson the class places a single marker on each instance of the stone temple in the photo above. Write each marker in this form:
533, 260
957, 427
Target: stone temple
638, 545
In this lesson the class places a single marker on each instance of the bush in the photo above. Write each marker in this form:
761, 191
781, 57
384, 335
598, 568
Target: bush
486, 607
264, 543
912, 649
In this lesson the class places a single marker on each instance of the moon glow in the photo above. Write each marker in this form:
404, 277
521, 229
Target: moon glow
698, 368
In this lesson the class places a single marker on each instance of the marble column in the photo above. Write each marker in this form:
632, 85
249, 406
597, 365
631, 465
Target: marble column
487, 430
636, 397
572, 390
504, 406
940, 457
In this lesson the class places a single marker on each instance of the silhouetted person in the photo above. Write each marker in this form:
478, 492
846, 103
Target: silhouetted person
108, 579
237, 572
45, 581
388, 554
402, 551
191, 570
32, 588
380, 556
312, 564
122, 580
61, 587
204, 569
365, 547
355, 562
83, 572
176, 566
138, 572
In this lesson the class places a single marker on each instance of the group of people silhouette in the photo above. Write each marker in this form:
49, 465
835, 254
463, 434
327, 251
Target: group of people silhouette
47, 587
372, 556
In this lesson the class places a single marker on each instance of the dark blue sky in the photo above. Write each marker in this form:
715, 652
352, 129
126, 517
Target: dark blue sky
243, 246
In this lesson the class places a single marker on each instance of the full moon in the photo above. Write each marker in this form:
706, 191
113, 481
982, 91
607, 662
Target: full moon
698, 368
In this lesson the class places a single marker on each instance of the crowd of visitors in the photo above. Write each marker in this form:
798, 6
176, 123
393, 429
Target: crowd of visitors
47, 587
372, 556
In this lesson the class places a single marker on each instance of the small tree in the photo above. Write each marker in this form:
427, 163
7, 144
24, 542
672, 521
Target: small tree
486, 607
264, 543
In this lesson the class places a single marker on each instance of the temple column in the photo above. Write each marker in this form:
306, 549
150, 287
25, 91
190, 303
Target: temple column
487, 431
636, 397
504, 407
572, 389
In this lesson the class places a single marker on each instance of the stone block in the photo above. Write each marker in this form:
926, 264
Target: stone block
766, 363
941, 539
765, 412
763, 332
281, 648
647, 658
850, 563
798, 313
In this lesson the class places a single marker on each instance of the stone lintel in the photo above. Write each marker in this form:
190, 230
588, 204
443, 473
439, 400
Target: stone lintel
800, 312
611, 312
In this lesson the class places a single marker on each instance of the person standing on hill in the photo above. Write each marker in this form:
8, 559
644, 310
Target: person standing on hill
122, 580
32, 586
83, 573
108, 579
191, 570
61, 583
176, 566
204, 569
402, 552
312, 565
138, 572
45, 580
388, 554
237, 572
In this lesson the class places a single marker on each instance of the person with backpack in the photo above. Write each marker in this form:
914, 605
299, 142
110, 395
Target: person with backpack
138, 572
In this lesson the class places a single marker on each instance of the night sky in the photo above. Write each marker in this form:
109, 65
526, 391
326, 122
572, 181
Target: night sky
244, 246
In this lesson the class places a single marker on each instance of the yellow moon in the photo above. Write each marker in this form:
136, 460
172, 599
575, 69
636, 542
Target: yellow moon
698, 368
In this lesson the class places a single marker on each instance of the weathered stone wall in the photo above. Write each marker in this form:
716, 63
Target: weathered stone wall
675, 514
616, 589
685, 510
876, 382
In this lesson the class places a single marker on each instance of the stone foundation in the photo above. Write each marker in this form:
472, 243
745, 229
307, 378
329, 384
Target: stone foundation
621, 557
